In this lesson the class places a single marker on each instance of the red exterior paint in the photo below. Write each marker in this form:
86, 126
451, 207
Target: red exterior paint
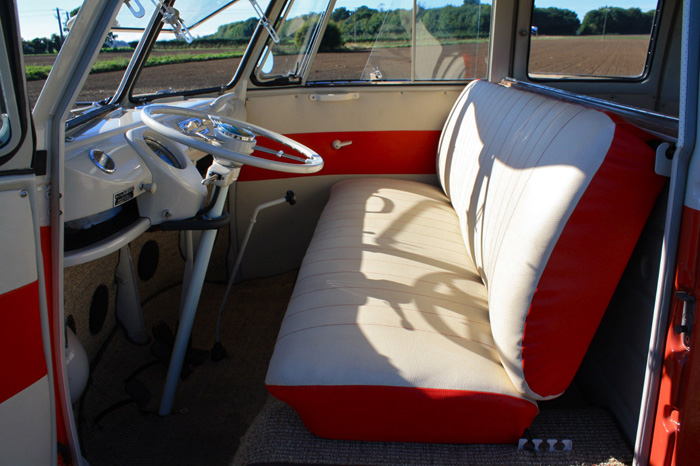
342, 412
21, 348
55, 326
371, 153
676, 437
612, 212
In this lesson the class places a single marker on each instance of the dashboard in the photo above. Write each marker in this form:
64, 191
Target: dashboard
122, 178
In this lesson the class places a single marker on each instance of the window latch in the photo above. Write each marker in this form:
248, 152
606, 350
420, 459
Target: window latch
265, 22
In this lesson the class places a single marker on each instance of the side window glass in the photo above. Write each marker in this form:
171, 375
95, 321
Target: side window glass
300, 23
612, 41
10, 127
452, 41
376, 41
5, 131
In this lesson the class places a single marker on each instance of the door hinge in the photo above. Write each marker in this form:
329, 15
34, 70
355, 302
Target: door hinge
688, 317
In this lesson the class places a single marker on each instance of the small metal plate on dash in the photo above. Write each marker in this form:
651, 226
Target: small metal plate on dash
123, 196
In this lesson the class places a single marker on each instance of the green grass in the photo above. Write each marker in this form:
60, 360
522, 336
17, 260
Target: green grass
35, 72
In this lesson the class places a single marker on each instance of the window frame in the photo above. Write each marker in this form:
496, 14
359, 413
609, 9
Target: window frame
148, 41
653, 36
13, 93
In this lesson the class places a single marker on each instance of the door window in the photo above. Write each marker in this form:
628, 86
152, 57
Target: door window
382, 42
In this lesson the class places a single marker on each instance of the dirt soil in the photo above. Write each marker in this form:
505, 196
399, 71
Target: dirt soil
593, 56
614, 56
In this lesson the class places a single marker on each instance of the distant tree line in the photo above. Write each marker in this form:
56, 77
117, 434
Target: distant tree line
467, 21
42, 45
618, 21
240, 31
555, 21
611, 20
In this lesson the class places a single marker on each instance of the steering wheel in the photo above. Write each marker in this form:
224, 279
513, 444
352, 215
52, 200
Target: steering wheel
230, 139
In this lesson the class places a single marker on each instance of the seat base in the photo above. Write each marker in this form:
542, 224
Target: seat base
387, 335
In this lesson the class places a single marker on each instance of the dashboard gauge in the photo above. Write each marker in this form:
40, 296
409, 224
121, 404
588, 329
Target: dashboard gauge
163, 152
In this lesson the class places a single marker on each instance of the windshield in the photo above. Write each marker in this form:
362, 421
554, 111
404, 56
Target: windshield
41, 49
206, 55
203, 51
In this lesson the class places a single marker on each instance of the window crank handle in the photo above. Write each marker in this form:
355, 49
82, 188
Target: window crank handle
337, 144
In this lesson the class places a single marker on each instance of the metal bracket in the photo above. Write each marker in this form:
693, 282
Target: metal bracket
551, 445
664, 159
686, 326
172, 17
265, 22
221, 174
137, 12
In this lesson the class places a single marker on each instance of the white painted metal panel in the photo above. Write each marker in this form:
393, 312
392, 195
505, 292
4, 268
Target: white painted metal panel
17, 254
25, 423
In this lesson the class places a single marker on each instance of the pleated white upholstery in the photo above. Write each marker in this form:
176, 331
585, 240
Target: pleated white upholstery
420, 316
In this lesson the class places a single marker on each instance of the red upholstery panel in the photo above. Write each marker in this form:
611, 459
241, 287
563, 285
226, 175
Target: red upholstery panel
401, 414
591, 252
375, 153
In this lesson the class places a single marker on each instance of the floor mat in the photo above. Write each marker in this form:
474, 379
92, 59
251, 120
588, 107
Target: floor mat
278, 436
213, 406
217, 403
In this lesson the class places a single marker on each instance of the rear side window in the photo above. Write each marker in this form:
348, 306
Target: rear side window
611, 41
10, 125
387, 42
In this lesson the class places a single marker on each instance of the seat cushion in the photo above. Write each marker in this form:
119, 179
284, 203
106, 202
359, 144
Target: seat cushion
551, 198
387, 333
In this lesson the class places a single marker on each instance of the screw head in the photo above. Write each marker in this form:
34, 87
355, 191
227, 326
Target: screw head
23, 193
167, 213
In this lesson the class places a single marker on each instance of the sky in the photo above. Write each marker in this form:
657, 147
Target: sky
38, 19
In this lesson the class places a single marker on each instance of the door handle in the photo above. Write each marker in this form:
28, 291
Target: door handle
340, 144
334, 97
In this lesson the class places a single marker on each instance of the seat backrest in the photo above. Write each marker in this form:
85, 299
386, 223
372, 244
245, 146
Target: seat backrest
551, 198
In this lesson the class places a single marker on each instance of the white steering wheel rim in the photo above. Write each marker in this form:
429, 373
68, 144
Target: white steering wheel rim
313, 163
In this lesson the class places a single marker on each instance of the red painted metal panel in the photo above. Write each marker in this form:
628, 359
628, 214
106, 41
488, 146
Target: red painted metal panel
371, 153
22, 361
676, 437
56, 326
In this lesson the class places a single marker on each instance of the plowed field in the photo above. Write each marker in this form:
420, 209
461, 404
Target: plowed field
586, 55
611, 56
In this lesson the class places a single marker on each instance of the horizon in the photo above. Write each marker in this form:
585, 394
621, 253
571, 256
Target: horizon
38, 21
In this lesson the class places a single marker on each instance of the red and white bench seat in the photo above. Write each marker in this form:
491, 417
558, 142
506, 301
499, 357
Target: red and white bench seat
441, 315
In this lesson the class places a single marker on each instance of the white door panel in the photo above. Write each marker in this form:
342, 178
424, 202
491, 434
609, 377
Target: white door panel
393, 131
27, 408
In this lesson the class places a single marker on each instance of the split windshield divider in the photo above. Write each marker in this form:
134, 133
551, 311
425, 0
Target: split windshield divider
315, 42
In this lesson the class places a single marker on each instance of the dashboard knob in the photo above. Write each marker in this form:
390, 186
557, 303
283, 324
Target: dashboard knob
150, 188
